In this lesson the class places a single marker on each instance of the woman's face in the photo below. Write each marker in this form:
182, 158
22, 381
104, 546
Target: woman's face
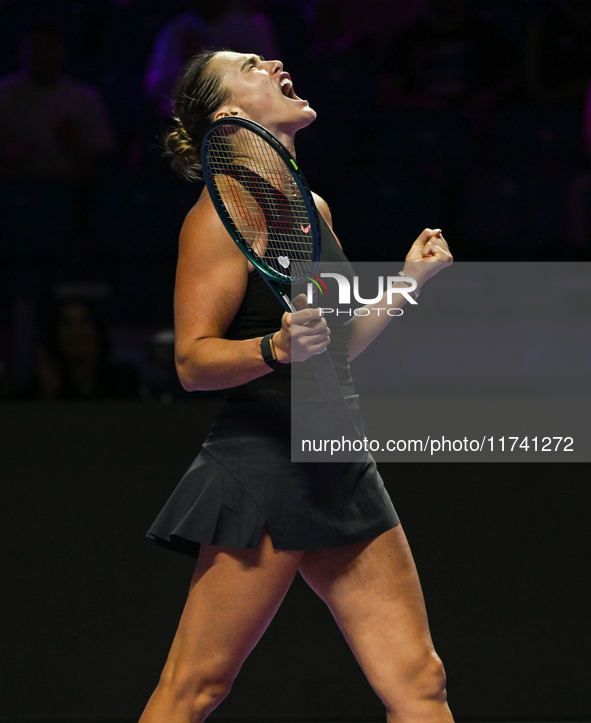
262, 91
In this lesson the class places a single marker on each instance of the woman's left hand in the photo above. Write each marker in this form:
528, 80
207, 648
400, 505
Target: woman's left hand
427, 256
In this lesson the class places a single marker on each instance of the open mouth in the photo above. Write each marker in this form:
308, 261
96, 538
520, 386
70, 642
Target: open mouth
286, 87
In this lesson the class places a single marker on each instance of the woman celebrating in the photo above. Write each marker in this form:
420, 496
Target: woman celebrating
251, 516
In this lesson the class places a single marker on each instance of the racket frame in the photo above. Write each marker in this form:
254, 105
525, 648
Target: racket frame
275, 279
321, 363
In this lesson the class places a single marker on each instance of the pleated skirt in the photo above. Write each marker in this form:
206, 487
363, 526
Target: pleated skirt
243, 481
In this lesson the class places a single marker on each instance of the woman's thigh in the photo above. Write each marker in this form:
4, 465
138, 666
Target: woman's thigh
373, 591
232, 598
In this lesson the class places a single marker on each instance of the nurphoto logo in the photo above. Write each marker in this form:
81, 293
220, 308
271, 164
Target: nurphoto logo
344, 289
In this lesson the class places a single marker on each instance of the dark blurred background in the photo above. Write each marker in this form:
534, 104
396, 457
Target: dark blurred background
469, 115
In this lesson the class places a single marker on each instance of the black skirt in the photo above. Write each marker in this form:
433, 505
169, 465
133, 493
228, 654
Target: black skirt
243, 480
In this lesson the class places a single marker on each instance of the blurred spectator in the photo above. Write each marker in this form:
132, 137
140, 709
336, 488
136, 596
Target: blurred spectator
51, 126
73, 361
450, 58
332, 35
579, 194
239, 26
558, 53
341, 24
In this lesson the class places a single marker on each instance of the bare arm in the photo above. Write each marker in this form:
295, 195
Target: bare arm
212, 276
427, 256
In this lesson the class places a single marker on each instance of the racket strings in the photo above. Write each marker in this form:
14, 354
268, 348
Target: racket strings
262, 199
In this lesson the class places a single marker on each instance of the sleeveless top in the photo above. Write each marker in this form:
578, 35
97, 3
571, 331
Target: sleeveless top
242, 481
260, 314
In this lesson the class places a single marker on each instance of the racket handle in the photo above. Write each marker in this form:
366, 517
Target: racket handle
332, 394
330, 388
288, 302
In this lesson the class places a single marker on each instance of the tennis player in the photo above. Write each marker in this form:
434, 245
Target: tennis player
250, 516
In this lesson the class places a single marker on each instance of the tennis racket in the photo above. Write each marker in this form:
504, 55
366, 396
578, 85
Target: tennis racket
266, 206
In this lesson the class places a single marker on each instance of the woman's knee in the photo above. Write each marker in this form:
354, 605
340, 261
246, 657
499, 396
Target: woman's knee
418, 681
425, 680
431, 681
199, 690
209, 695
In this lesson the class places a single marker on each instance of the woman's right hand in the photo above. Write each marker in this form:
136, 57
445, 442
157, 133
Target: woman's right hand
211, 281
303, 333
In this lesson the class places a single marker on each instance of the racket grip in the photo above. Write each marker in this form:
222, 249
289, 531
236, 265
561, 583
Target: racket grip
330, 388
332, 393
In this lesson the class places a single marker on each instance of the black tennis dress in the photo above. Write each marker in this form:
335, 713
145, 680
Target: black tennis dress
243, 480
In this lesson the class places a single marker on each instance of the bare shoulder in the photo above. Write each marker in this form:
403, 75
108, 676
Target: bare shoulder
211, 275
322, 206
202, 221
204, 243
